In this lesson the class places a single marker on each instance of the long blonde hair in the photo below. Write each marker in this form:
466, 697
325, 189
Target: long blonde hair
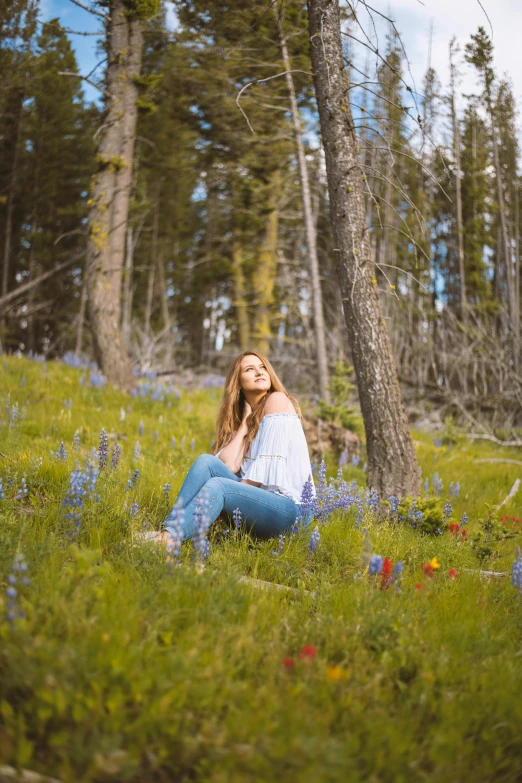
233, 404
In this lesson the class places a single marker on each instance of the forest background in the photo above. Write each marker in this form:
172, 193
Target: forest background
216, 252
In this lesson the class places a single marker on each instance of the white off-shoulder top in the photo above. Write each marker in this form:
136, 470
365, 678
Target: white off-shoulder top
278, 456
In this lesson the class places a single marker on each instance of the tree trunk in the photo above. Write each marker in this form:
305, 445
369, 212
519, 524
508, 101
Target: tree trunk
10, 202
516, 318
127, 289
311, 236
263, 284
81, 318
240, 299
103, 268
458, 190
392, 464
123, 185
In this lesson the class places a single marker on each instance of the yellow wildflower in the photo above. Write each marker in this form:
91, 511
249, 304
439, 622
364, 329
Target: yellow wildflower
336, 673
434, 563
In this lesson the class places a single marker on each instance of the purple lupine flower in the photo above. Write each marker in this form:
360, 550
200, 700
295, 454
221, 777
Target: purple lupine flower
236, 516
116, 456
394, 502
193, 444
314, 540
448, 510
415, 514
61, 453
76, 441
133, 509
306, 503
82, 485
397, 571
22, 492
437, 443
426, 485
103, 450
463, 520
373, 500
343, 458
375, 566
320, 492
202, 523
516, 572
2, 494
437, 484
281, 539
135, 477
140, 429
13, 415
137, 450
454, 489
166, 489
17, 579
156, 436
173, 442
355, 460
176, 522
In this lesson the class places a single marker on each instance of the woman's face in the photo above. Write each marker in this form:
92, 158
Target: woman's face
253, 375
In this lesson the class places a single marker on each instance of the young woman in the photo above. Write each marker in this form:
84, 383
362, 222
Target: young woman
260, 462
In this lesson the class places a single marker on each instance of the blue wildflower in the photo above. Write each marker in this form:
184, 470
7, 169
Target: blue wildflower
426, 485
437, 484
314, 540
394, 502
116, 456
76, 441
173, 442
516, 573
137, 450
193, 444
134, 509
22, 492
307, 500
448, 511
2, 494
236, 516
103, 450
281, 539
375, 566
355, 460
463, 520
140, 429
201, 525
166, 489
156, 436
176, 521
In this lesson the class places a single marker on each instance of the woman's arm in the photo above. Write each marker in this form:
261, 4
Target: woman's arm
232, 453
276, 403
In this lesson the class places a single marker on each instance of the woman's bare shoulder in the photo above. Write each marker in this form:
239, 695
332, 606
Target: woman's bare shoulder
278, 402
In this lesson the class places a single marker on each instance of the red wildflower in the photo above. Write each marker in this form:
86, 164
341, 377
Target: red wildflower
386, 572
454, 528
428, 569
289, 663
308, 651
453, 573
463, 533
418, 587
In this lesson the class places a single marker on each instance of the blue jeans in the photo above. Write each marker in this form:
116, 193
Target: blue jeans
264, 513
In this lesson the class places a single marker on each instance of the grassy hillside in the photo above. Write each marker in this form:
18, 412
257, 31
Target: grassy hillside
114, 666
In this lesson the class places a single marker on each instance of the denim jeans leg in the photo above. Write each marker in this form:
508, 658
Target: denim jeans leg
265, 514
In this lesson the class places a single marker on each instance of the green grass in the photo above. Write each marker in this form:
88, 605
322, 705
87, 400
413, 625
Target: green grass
123, 670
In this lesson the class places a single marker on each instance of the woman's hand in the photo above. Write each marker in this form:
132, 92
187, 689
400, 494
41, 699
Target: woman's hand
247, 410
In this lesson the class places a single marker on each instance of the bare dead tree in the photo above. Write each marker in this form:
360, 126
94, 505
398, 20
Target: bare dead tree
392, 464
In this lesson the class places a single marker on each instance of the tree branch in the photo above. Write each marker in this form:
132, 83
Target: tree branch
37, 280
85, 79
90, 10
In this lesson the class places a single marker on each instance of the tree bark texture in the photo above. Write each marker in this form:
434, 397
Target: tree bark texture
110, 199
392, 463
240, 297
311, 236
10, 201
263, 284
458, 190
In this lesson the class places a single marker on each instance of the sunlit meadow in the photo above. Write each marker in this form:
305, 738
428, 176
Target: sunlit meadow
392, 657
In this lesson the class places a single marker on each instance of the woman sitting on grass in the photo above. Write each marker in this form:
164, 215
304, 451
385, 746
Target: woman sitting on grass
261, 460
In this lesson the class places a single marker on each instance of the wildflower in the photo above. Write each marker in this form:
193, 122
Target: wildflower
201, 526
375, 566
448, 511
82, 485
281, 540
61, 452
166, 489
343, 458
453, 573
437, 443
454, 489
308, 652
355, 460
426, 485
140, 429
397, 571
418, 587
13, 415
289, 663
415, 514
394, 503
137, 450
96, 379
334, 673
320, 496
386, 573
464, 519
373, 500
2, 494
314, 540
454, 528
173, 442
135, 477
430, 567
76, 441
133, 509
437, 484
103, 449
236, 516
16, 580
193, 444
22, 492
176, 521
516, 572
116, 456
307, 500
156, 436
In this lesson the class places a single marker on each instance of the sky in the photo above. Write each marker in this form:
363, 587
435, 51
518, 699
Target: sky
413, 19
